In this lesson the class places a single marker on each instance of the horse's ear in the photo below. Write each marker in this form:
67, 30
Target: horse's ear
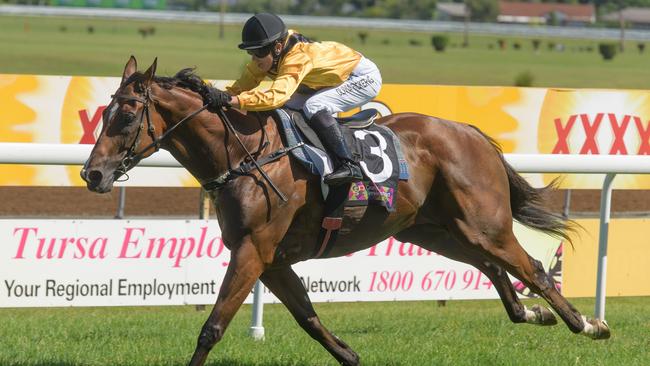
151, 72
130, 68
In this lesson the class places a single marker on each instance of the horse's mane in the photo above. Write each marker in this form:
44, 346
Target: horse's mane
185, 78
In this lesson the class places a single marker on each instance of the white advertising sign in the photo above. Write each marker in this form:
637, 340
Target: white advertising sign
175, 262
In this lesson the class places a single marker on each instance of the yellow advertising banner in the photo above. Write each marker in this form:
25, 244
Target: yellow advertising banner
628, 262
68, 109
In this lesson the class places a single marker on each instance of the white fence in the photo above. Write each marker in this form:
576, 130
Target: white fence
60, 154
74, 154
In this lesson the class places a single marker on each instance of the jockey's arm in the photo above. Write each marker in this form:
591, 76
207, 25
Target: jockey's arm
250, 78
290, 74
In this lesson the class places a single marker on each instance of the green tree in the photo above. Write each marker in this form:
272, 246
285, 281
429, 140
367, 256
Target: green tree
607, 50
258, 6
483, 10
439, 42
304, 7
398, 9
414, 9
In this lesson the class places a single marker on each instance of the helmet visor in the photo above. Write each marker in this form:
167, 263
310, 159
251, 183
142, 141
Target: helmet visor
260, 52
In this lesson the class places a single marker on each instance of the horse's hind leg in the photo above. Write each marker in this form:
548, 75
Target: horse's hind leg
428, 238
286, 285
494, 237
477, 202
518, 313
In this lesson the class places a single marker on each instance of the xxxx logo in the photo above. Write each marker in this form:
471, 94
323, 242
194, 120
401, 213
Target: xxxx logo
595, 122
89, 124
618, 126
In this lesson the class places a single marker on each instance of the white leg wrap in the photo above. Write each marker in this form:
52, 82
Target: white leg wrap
588, 329
531, 316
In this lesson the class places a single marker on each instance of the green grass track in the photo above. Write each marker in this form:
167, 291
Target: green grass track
386, 333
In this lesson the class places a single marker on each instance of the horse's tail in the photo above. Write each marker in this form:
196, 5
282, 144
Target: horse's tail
527, 202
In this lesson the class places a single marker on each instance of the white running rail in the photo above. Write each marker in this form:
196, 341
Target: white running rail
62, 154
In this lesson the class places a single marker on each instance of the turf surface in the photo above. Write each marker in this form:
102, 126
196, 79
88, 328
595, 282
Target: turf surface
386, 333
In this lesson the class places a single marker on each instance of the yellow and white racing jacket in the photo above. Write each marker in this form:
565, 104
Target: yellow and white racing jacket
316, 65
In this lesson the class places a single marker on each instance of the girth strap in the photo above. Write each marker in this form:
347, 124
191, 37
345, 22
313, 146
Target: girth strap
246, 167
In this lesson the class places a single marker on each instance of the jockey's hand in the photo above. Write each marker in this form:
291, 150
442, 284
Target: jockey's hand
215, 99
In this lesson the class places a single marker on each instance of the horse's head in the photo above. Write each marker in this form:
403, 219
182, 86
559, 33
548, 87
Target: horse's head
129, 128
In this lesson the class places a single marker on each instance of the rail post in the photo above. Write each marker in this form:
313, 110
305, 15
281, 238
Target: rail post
204, 214
257, 328
121, 203
601, 280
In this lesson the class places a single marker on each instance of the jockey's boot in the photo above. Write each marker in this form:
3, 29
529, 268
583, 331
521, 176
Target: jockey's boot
329, 131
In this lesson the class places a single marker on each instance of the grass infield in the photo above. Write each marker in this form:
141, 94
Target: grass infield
69, 46
384, 333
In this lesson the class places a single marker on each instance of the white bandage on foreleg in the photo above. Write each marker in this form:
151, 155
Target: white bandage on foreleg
531, 316
588, 329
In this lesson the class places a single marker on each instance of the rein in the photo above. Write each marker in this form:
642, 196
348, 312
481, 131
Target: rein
255, 163
132, 158
156, 142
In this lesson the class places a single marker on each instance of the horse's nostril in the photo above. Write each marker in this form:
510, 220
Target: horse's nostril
95, 176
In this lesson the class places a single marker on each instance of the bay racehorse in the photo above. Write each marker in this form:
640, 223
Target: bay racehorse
460, 201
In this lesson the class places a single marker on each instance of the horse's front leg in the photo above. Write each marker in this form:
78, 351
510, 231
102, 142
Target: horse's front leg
286, 285
244, 269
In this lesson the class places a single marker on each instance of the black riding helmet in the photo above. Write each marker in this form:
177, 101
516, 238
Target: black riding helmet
262, 30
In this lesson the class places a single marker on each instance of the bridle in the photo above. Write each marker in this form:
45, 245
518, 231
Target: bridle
132, 158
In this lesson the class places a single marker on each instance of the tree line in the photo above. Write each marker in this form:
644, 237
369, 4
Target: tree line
480, 10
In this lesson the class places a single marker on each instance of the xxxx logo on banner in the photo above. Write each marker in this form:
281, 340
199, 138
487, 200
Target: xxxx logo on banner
594, 122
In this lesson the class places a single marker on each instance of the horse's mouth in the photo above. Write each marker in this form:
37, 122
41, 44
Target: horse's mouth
101, 188
97, 181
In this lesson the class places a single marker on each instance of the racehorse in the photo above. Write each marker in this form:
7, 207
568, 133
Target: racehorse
459, 201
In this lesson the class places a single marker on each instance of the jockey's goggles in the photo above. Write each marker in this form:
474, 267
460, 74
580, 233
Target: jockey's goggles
260, 52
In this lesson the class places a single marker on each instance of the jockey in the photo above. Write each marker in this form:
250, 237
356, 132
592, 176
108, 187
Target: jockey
337, 77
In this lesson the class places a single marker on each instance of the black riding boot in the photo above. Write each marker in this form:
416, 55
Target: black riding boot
329, 132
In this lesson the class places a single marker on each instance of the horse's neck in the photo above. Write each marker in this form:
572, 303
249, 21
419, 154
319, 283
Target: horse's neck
203, 146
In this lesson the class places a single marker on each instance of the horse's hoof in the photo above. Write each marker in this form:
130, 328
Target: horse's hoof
596, 329
352, 360
543, 315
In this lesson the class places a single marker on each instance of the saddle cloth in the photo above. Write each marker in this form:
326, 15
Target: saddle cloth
376, 148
